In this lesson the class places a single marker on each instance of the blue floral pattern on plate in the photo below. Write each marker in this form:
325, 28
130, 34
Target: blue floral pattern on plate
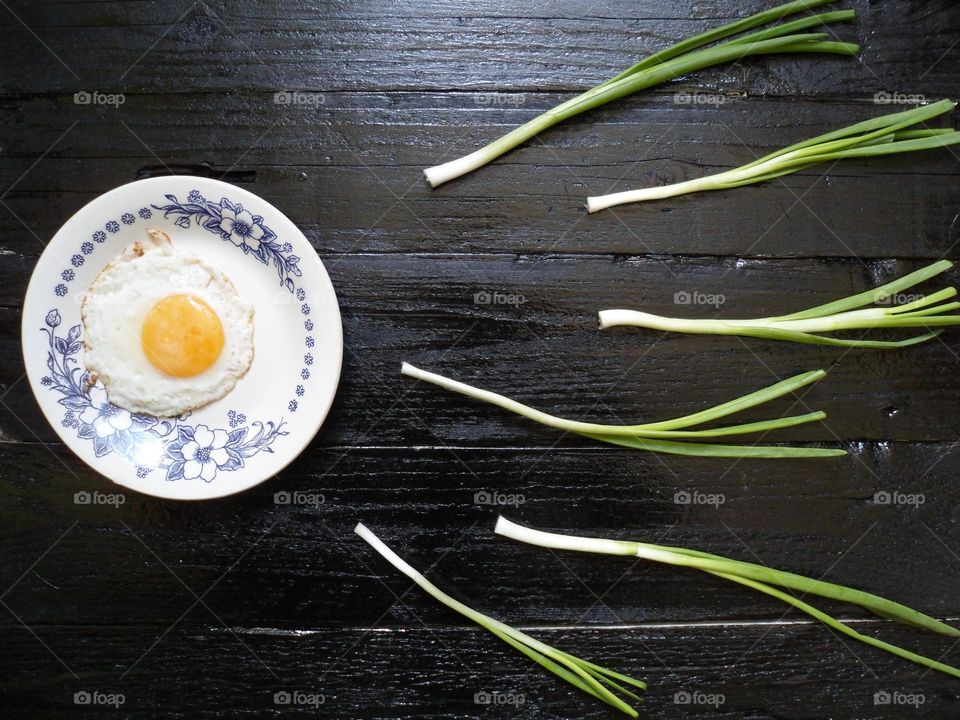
182, 450
185, 451
238, 226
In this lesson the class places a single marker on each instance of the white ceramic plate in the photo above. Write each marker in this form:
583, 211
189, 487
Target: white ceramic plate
277, 407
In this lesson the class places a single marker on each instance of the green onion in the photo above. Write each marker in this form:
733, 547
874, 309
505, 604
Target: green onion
757, 577
590, 678
841, 314
663, 436
679, 59
885, 135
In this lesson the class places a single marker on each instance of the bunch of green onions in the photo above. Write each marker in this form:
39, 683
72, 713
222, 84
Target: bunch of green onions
592, 679
669, 436
680, 59
885, 135
759, 578
850, 313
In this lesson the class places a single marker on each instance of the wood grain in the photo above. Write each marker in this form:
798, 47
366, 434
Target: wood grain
548, 351
105, 598
348, 172
436, 670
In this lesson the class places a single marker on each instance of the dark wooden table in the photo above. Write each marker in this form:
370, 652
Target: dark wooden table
209, 609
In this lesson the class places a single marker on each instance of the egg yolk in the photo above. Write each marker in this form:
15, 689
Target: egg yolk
182, 336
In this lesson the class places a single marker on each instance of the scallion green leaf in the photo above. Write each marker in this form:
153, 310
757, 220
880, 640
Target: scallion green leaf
663, 436
850, 313
885, 135
680, 59
592, 679
758, 577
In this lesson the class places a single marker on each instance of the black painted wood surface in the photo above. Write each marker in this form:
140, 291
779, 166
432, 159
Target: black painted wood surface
210, 609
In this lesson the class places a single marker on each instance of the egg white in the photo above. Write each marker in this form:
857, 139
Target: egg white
113, 312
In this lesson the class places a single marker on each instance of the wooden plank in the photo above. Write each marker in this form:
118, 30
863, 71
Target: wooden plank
348, 173
440, 46
298, 564
548, 352
762, 672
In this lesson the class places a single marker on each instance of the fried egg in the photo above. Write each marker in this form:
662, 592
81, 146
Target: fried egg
164, 331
